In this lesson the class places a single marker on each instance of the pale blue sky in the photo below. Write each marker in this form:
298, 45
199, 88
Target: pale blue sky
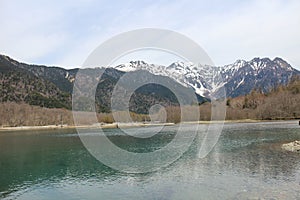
64, 33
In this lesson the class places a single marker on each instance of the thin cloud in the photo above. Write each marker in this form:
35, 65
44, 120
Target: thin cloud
65, 33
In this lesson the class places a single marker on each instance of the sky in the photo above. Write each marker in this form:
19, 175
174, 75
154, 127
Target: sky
64, 33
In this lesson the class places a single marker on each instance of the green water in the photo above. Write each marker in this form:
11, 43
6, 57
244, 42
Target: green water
246, 163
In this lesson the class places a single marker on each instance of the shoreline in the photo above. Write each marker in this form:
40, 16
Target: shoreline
104, 126
127, 125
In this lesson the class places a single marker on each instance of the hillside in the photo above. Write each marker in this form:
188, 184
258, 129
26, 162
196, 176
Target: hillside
20, 85
281, 103
51, 87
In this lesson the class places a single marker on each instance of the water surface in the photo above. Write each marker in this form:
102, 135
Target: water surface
246, 163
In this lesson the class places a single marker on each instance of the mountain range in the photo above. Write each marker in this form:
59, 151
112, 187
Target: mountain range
52, 86
239, 78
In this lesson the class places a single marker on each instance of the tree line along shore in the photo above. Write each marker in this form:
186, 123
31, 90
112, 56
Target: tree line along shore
282, 103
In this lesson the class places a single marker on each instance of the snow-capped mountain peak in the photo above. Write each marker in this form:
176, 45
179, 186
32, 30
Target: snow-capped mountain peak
282, 63
235, 66
132, 66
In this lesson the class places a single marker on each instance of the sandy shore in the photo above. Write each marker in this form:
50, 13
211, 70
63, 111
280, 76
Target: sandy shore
124, 125
54, 127
229, 121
